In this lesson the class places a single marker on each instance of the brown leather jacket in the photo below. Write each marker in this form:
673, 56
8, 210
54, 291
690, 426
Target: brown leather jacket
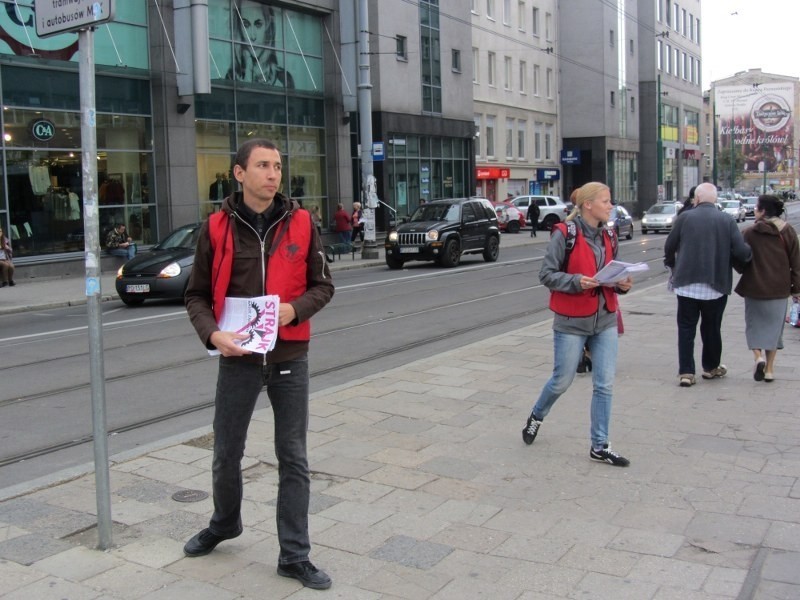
774, 271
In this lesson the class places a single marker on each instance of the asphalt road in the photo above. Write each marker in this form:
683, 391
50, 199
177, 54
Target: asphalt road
160, 382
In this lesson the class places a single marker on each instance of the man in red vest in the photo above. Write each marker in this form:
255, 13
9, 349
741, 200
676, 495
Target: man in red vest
259, 244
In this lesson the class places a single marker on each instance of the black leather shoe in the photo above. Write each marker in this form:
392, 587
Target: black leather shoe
204, 542
307, 574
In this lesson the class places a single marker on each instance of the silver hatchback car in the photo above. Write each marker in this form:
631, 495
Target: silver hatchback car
659, 217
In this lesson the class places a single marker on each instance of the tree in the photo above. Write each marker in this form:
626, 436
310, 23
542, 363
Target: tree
724, 167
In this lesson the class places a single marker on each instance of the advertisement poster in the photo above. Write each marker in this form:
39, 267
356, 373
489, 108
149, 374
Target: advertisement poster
758, 121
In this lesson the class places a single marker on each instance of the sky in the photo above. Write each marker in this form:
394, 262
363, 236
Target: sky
759, 34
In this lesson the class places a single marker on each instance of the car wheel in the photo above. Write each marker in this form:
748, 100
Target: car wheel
630, 234
549, 222
644, 231
394, 263
513, 227
451, 255
492, 249
131, 300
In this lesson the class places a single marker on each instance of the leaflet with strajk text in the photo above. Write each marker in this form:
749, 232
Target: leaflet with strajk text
617, 271
255, 317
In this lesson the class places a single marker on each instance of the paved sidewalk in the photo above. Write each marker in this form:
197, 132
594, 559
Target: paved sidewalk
423, 489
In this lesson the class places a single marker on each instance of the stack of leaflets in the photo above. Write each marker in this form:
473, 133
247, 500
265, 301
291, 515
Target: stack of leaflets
617, 270
255, 317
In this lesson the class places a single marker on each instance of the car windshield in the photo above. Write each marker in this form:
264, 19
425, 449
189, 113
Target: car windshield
182, 238
730, 204
662, 209
437, 212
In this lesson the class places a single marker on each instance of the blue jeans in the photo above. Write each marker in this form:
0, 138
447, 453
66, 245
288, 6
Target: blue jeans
344, 237
128, 252
690, 311
238, 385
568, 352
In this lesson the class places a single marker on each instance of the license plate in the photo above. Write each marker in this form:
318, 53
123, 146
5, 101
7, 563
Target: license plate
409, 250
139, 288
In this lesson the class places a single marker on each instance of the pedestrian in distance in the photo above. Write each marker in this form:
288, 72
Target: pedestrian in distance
767, 281
584, 315
6, 262
342, 224
260, 243
689, 202
700, 251
533, 216
357, 223
119, 243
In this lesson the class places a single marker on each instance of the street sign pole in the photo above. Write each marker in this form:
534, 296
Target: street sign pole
91, 229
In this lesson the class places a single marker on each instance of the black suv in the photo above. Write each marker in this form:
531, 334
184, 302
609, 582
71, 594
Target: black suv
443, 230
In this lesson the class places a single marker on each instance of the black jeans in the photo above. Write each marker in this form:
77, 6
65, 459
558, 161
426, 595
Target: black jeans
709, 312
238, 386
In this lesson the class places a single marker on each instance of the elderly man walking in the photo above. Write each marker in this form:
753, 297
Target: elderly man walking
699, 250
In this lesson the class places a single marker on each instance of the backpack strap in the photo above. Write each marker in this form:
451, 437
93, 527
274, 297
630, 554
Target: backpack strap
570, 231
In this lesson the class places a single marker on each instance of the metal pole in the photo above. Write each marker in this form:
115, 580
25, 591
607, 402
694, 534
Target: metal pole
659, 143
91, 229
733, 139
369, 191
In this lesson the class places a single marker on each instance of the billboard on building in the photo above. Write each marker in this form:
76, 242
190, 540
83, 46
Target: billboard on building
758, 121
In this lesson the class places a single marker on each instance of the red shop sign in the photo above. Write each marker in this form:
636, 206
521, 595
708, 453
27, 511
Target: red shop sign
491, 173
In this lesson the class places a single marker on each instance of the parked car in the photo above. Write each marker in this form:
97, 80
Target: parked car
621, 222
659, 217
734, 208
509, 218
749, 203
162, 272
551, 209
443, 231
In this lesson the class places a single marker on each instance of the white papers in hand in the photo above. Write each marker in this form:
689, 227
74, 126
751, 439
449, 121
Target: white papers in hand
255, 317
617, 271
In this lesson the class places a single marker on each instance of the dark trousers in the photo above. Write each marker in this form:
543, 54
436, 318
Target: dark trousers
709, 313
238, 386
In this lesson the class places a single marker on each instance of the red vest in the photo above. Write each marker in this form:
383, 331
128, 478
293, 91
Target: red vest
285, 273
582, 260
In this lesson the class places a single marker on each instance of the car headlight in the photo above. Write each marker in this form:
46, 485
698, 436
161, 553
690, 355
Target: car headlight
393, 236
433, 236
170, 271
119, 272
669, 220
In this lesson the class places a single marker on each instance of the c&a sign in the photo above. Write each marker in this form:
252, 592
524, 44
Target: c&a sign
43, 130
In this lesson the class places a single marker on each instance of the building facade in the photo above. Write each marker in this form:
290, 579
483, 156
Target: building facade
600, 53
515, 85
670, 89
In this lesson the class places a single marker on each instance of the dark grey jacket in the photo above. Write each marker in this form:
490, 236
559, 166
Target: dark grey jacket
701, 246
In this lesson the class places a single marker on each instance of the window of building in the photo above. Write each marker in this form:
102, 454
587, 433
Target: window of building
611, 37
683, 21
535, 21
521, 139
523, 77
475, 65
697, 30
633, 104
490, 127
401, 47
549, 83
691, 27
536, 74
676, 63
456, 60
509, 138
506, 12
659, 14
537, 141
683, 66
521, 13
507, 72
548, 27
475, 7
630, 47
491, 69
477, 137
611, 97
490, 9
548, 142
430, 56
659, 54
676, 15
668, 13
668, 57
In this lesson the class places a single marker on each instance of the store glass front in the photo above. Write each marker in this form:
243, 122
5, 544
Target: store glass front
267, 81
425, 168
42, 183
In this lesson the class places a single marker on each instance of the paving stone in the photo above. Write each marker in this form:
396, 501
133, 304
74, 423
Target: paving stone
402, 478
404, 582
725, 582
668, 571
452, 467
8, 532
782, 567
599, 585
131, 581
772, 508
319, 503
597, 559
346, 467
77, 564
410, 552
148, 491
28, 549
647, 542
350, 538
154, 552
403, 424
182, 453
356, 512
14, 576
54, 588
783, 536
196, 590
734, 528
468, 537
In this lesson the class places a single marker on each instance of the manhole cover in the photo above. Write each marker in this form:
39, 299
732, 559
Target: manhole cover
189, 496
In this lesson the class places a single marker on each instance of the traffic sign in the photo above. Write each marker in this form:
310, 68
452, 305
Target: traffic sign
62, 16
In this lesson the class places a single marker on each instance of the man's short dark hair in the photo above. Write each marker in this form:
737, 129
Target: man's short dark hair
243, 154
